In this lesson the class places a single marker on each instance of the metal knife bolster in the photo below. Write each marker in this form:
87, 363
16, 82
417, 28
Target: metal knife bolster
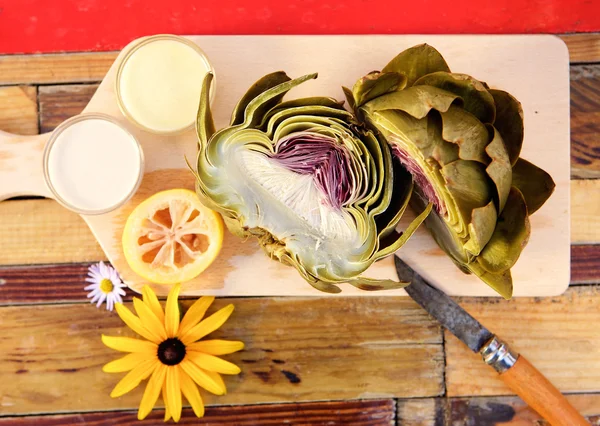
499, 355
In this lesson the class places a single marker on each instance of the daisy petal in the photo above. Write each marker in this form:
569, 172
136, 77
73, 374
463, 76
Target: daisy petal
134, 377
152, 391
110, 301
127, 363
216, 347
90, 287
101, 300
127, 344
213, 363
136, 324
103, 269
195, 313
174, 392
190, 391
147, 317
207, 325
151, 300
172, 312
164, 397
218, 379
120, 291
201, 378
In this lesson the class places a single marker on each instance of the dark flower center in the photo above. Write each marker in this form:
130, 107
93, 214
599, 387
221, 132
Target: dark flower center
171, 351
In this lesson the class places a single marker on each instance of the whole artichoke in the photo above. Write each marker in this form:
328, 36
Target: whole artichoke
319, 192
461, 141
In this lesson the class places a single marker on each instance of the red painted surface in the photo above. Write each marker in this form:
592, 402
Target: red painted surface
69, 25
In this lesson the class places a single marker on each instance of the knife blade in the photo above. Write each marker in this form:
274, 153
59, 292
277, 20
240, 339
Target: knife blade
516, 372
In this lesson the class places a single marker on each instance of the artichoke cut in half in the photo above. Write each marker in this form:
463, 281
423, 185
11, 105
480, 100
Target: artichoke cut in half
461, 142
319, 192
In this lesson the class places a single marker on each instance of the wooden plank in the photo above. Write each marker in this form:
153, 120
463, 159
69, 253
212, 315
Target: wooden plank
512, 411
585, 211
57, 103
297, 349
583, 47
18, 110
585, 121
585, 264
55, 68
42, 231
559, 335
422, 412
360, 413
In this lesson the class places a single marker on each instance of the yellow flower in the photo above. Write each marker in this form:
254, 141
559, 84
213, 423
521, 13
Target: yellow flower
171, 356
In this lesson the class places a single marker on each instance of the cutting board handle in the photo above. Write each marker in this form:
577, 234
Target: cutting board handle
21, 168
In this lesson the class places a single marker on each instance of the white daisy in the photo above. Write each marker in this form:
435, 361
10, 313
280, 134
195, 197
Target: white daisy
105, 285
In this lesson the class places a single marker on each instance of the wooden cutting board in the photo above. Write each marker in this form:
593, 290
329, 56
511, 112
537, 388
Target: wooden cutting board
532, 68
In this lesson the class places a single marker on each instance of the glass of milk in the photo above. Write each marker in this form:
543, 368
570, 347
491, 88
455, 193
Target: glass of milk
92, 164
159, 82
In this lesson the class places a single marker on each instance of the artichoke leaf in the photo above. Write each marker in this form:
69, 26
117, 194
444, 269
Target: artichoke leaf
205, 125
509, 122
499, 170
500, 282
265, 83
510, 236
416, 101
371, 284
476, 98
481, 228
376, 84
416, 62
465, 130
534, 183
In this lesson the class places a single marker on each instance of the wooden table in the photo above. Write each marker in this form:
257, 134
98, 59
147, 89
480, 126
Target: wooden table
369, 361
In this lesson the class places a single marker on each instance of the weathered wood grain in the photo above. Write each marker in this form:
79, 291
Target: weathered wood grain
42, 231
585, 264
559, 335
585, 211
360, 413
297, 349
512, 411
18, 110
585, 121
422, 412
57, 103
55, 68
583, 47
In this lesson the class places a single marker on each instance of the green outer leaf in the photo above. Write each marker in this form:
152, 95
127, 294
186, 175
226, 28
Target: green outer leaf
477, 100
416, 101
205, 126
376, 84
510, 236
416, 62
265, 83
465, 130
534, 183
372, 284
481, 228
499, 170
501, 283
509, 122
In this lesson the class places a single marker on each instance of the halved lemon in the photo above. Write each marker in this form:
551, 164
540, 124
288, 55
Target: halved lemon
171, 237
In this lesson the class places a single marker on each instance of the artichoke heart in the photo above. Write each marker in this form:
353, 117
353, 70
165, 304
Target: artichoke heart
461, 141
319, 191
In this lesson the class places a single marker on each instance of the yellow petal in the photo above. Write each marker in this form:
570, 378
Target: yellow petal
152, 391
127, 344
218, 379
128, 362
190, 391
212, 363
172, 312
151, 300
195, 313
174, 392
134, 377
164, 397
135, 323
207, 325
216, 347
150, 321
201, 378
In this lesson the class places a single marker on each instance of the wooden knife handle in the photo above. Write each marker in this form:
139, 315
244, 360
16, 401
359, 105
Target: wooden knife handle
541, 395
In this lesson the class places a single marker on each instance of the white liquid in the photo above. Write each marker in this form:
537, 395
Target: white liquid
94, 165
160, 85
